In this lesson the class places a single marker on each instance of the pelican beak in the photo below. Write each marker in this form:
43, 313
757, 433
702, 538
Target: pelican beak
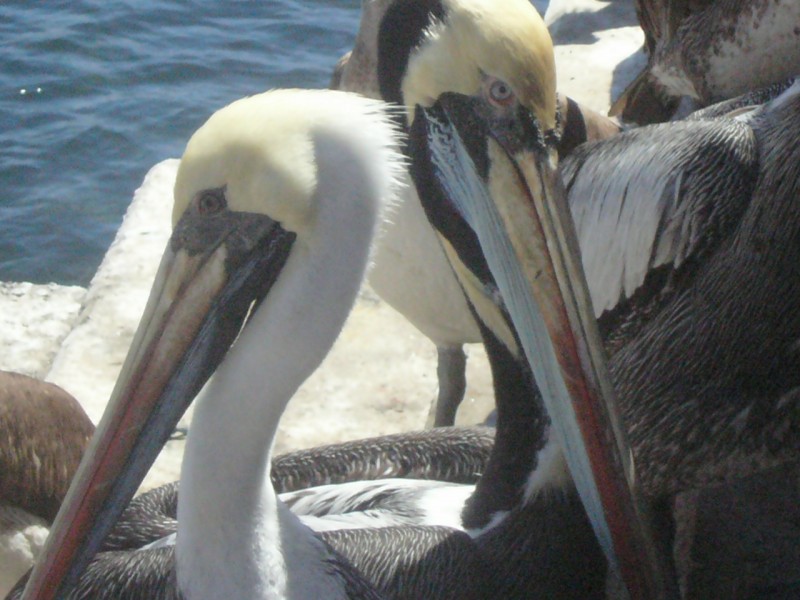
501, 180
215, 270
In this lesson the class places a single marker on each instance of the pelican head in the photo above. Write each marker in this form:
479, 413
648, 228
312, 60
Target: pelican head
258, 186
496, 51
482, 72
264, 151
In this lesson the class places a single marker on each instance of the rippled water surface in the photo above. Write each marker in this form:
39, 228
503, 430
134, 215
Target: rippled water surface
93, 93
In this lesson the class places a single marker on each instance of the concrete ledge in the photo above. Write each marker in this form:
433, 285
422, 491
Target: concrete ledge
34, 319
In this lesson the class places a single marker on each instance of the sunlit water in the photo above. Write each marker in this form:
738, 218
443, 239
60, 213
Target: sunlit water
93, 93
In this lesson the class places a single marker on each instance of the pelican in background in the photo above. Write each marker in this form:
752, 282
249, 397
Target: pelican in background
688, 234
707, 51
311, 482
411, 271
45, 432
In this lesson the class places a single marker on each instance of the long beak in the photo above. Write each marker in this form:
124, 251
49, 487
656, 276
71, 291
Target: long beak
517, 208
210, 277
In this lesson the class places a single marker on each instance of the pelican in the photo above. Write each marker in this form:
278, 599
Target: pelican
45, 432
725, 185
264, 191
520, 518
411, 53
709, 51
411, 271
427, 51
688, 235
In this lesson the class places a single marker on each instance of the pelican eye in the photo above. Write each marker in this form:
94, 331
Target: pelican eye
210, 202
501, 93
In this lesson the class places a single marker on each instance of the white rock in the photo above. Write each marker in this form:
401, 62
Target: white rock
91, 356
34, 319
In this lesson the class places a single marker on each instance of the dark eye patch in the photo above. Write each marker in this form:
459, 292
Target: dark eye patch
211, 202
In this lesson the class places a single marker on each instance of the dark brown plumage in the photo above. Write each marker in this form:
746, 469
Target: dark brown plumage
708, 373
740, 539
45, 434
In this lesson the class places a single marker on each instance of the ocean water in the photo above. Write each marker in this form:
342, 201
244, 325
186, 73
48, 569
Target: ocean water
95, 92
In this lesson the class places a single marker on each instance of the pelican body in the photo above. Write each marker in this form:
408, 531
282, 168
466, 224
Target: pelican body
45, 432
411, 272
449, 455
694, 309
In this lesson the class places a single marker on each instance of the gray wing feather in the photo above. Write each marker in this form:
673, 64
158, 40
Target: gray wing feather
455, 454
656, 196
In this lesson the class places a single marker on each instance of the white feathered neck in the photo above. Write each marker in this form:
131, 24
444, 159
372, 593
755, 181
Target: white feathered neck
234, 539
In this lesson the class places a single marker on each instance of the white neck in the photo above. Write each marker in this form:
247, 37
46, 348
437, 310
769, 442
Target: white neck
234, 538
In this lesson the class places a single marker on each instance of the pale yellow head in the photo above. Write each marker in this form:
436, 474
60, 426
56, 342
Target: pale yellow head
261, 150
505, 39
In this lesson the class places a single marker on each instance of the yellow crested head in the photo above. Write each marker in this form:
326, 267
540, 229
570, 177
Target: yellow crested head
266, 152
504, 39
258, 149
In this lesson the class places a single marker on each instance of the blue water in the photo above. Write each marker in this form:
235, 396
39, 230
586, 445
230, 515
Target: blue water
93, 93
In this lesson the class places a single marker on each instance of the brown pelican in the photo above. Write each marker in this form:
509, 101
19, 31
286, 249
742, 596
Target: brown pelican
411, 271
688, 234
708, 51
45, 432
437, 50
423, 52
